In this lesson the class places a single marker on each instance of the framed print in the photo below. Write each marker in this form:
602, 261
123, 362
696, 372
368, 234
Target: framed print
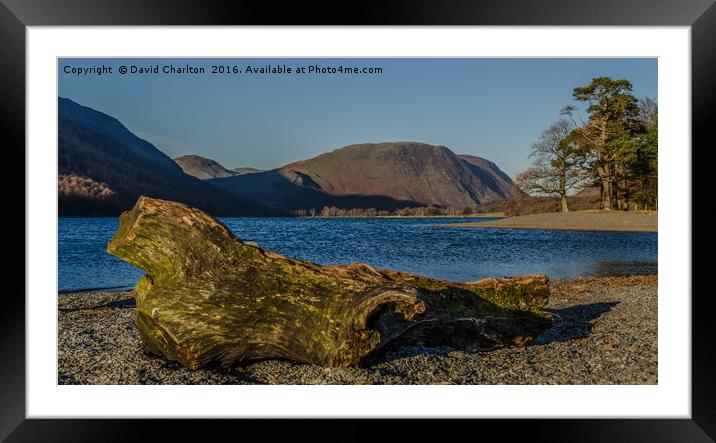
418, 212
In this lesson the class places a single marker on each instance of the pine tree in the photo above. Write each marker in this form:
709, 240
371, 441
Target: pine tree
609, 133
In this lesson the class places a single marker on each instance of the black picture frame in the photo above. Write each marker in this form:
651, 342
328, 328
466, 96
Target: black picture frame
700, 15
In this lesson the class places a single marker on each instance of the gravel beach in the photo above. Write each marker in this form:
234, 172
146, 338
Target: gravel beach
604, 332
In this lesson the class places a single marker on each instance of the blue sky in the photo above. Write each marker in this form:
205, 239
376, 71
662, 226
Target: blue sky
493, 108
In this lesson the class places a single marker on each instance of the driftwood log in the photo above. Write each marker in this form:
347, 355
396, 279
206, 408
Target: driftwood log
210, 300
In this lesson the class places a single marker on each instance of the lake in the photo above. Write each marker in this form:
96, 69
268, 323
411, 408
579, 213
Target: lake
405, 244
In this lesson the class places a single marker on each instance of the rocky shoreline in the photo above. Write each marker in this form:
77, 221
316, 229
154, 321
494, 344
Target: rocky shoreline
604, 332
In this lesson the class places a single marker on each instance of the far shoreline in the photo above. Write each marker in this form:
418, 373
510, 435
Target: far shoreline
616, 221
475, 215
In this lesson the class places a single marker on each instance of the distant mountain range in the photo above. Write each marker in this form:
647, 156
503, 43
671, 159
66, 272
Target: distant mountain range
103, 168
202, 168
206, 168
246, 170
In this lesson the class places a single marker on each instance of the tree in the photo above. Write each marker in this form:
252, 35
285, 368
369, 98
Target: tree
610, 128
558, 161
640, 158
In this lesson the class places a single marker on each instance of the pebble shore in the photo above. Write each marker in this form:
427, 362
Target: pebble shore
604, 332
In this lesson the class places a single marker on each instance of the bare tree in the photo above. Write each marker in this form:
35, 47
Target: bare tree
648, 110
557, 166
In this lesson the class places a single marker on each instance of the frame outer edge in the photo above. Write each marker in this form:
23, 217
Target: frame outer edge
703, 114
395, 12
12, 310
12, 125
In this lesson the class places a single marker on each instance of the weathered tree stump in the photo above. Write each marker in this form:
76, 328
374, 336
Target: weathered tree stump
210, 300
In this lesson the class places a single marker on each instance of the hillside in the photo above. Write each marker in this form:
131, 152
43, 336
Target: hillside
383, 176
103, 168
489, 173
202, 168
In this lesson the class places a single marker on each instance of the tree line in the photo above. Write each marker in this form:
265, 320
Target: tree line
615, 148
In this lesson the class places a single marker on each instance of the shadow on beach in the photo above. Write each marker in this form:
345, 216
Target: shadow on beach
573, 323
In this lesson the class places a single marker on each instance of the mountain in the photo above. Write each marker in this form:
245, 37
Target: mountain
202, 168
379, 175
103, 168
246, 170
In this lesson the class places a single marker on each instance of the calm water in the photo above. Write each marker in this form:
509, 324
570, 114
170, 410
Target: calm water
406, 244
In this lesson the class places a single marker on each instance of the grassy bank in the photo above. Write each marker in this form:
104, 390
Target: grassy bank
581, 220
